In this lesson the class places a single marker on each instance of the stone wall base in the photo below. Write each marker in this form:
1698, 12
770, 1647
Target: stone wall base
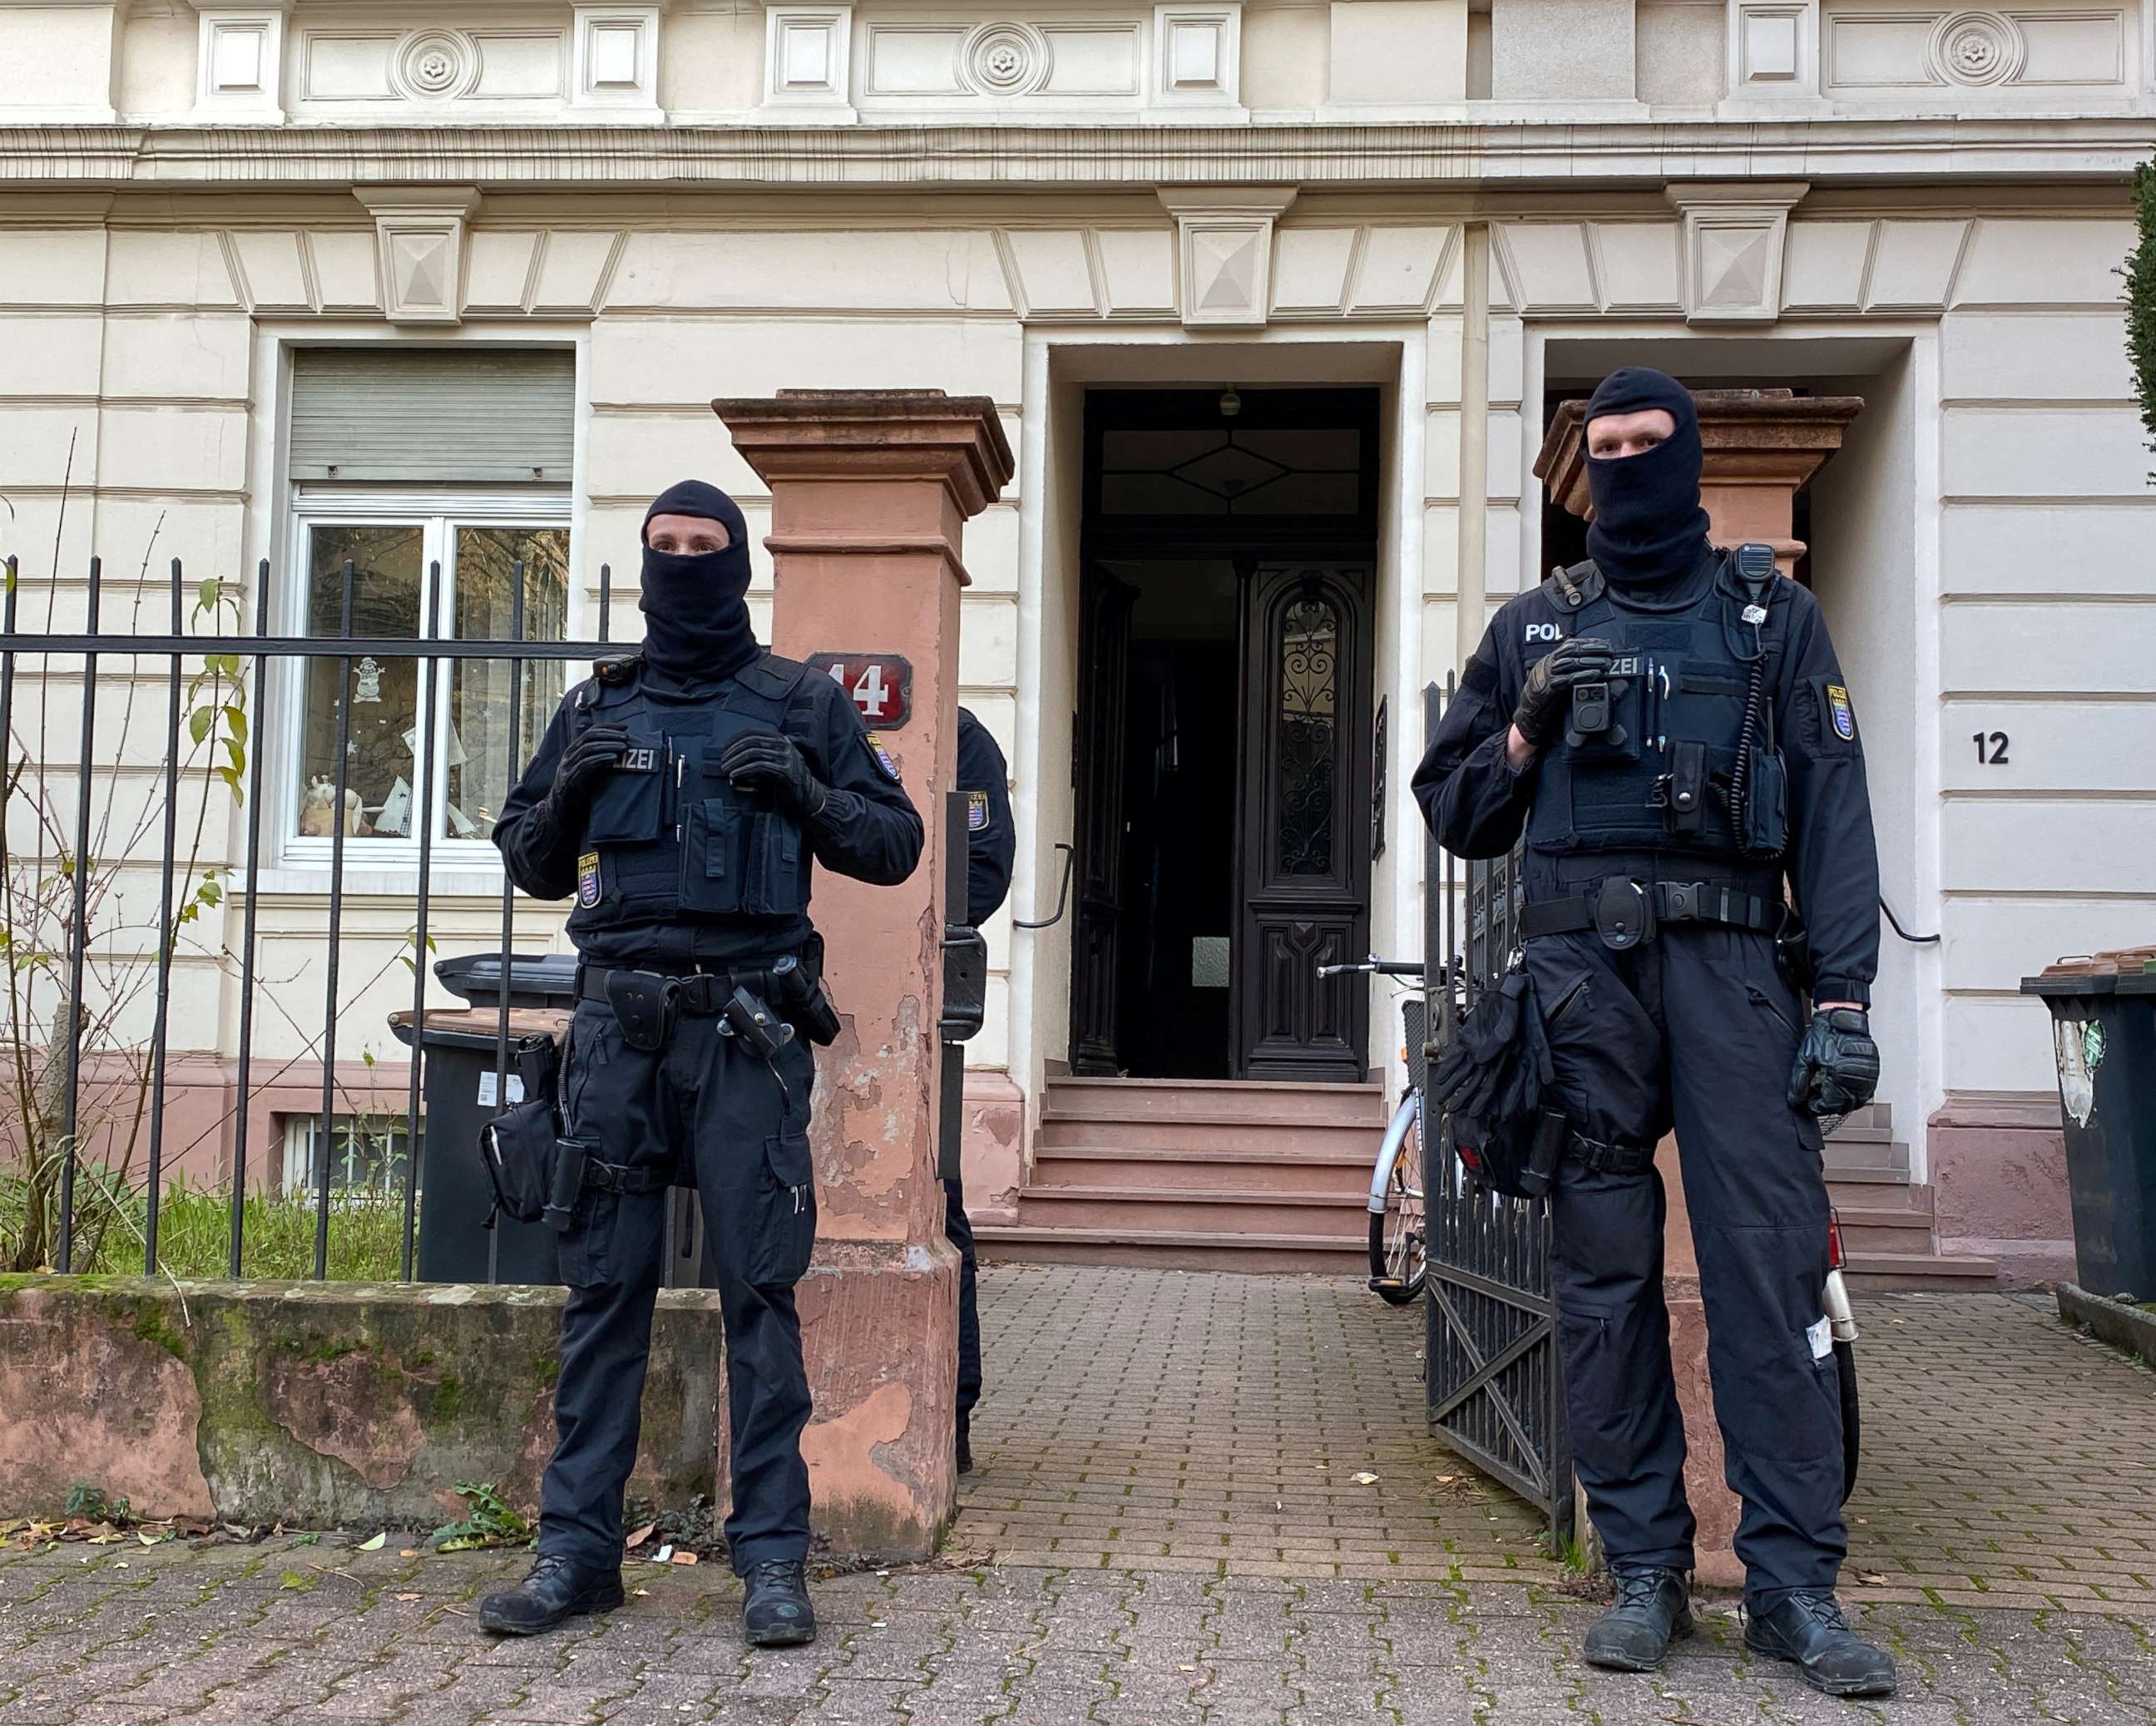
317, 1406
1997, 1166
992, 1152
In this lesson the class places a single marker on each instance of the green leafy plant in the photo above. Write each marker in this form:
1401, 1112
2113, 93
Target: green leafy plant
2140, 273
488, 1521
86, 1498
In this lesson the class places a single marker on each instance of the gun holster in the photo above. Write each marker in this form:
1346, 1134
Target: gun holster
645, 1003
802, 1001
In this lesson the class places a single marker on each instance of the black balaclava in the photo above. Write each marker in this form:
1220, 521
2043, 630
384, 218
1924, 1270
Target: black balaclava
1648, 534
695, 610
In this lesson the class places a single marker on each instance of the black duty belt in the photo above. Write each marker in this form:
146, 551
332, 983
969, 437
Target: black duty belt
1626, 912
703, 993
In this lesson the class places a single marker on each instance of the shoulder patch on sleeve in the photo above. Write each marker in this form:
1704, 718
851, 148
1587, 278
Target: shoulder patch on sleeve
977, 812
1840, 713
1480, 674
879, 754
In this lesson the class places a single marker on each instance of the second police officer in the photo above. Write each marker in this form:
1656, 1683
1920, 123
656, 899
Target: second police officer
681, 797
991, 845
1669, 727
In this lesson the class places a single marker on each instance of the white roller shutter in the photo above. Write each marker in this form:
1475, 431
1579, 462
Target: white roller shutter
434, 416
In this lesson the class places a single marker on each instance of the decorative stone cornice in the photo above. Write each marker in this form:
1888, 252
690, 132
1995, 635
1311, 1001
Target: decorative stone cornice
840, 436
1838, 151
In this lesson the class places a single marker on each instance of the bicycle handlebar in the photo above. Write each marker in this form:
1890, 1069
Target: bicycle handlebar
1374, 966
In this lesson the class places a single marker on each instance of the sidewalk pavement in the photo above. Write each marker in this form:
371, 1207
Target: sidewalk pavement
1167, 1527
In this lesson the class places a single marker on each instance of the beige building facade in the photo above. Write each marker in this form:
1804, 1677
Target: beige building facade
1273, 299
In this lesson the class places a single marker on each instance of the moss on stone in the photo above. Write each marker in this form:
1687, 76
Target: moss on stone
151, 1325
448, 1398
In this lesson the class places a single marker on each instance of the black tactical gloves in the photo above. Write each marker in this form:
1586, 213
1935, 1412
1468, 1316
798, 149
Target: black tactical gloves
1546, 698
764, 761
584, 763
1837, 1068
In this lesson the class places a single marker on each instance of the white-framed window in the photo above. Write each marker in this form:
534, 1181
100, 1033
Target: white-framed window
420, 481
369, 1155
422, 566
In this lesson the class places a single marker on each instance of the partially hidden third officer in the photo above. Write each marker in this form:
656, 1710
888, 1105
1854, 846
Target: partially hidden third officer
985, 777
681, 796
1666, 792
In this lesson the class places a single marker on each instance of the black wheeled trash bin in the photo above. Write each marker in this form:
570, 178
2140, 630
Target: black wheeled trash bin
2104, 1043
457, 1051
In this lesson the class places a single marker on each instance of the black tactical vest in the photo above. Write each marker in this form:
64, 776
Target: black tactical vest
1659, 775
668, 838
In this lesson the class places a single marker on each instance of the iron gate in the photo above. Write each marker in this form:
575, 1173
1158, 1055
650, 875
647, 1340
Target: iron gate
1495, 1383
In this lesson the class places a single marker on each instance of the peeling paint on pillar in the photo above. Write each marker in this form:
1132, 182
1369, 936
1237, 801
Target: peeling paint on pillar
869, 493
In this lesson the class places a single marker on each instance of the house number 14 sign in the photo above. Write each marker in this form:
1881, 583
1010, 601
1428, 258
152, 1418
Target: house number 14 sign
882, 684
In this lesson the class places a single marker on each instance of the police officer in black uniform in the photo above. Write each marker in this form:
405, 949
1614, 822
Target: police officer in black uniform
681, 795
991, 844
1668, 724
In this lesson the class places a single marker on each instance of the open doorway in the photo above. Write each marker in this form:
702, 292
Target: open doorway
1223, 765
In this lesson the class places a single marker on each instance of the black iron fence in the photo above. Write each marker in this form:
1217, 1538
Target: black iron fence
1495, 1380
64, 866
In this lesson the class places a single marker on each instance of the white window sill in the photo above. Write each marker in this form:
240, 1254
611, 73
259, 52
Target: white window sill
364, 879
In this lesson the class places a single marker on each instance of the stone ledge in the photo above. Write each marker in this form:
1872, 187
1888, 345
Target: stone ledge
1840, 150
318, 1406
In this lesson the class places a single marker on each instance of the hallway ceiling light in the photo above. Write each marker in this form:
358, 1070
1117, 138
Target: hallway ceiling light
1231, 404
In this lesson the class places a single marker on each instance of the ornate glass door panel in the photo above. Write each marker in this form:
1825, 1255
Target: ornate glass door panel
1304, 854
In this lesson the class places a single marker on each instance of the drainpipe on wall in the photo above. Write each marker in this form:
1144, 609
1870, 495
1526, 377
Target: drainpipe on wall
1467, 618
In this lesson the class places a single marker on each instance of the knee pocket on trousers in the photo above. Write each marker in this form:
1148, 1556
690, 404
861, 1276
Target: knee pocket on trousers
1600, 1364
785, 1211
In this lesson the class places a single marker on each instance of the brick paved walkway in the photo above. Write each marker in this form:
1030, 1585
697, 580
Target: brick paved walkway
1153, 1539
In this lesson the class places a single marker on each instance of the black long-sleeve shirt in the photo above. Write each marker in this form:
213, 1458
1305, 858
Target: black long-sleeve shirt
1477, 803
991, 841
868, 829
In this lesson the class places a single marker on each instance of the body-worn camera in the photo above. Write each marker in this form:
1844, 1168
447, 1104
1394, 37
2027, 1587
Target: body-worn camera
1598, 709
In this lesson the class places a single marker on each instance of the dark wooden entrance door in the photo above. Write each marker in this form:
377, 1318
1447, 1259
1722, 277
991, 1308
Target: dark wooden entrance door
1228, 542
1302, 798
1104, 657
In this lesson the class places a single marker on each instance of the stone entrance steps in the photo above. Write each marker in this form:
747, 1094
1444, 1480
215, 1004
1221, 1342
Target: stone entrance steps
1198, 1175
1209, 1174
1887, 1230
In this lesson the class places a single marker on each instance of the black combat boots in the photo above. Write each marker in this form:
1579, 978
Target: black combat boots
1807, 1629
777, 1614
1652, 1606
553, 1592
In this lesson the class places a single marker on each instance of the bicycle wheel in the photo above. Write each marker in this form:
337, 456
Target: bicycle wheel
1399, 1261
1845, 1366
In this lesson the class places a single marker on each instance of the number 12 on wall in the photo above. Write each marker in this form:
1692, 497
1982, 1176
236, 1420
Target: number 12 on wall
1991, 748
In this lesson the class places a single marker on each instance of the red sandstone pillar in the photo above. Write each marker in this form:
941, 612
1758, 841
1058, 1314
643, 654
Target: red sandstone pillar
1763, 448
870, 491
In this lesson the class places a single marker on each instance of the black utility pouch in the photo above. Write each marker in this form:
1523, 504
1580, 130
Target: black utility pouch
517, 1147
1766, 804
644, 1002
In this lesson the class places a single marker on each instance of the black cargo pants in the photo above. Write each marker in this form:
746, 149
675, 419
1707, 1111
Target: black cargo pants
1696, 1030
712, 1109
